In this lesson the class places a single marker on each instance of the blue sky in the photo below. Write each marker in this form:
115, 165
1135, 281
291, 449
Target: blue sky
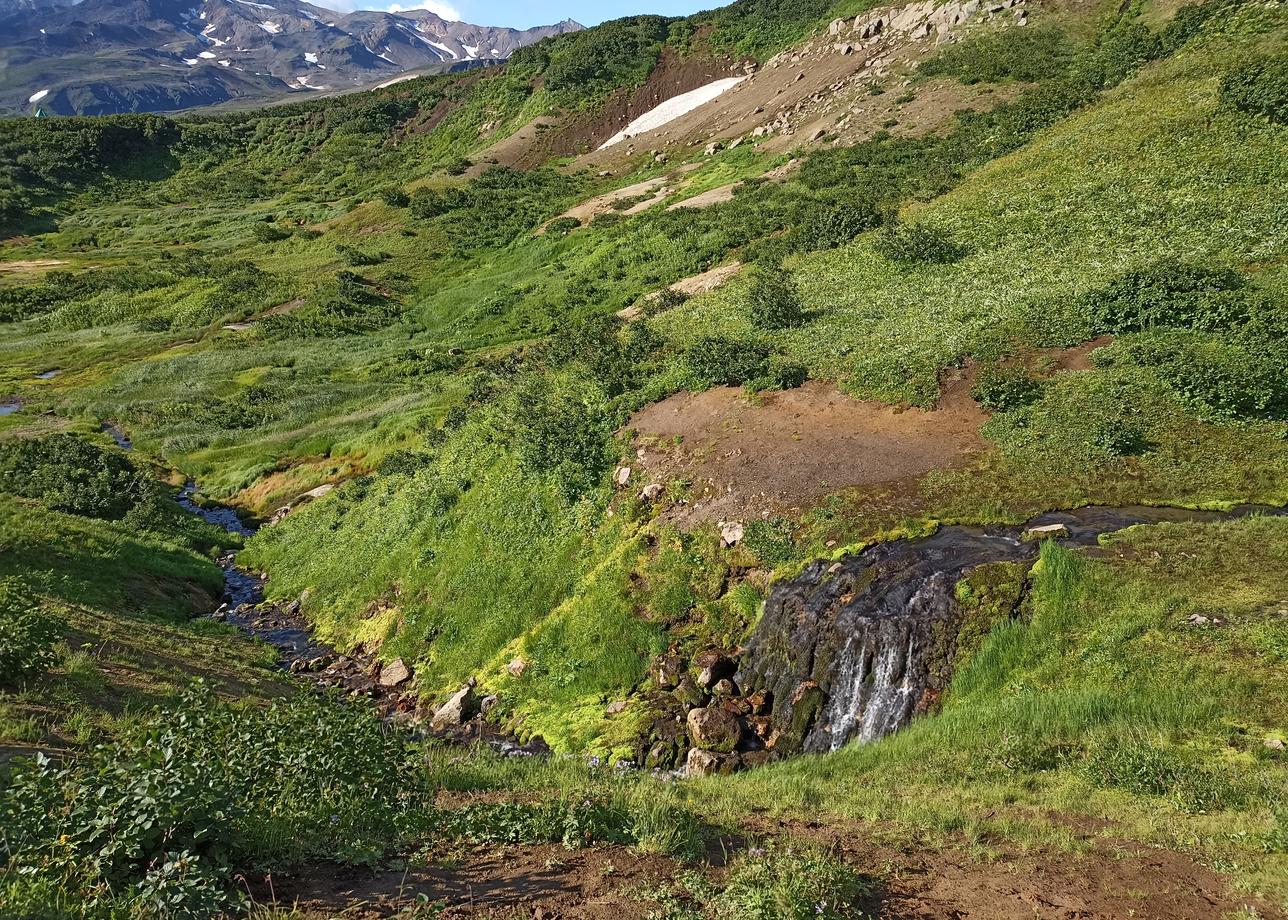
522, 15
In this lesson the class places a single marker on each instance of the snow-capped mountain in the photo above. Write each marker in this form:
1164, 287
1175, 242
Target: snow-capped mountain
103, 56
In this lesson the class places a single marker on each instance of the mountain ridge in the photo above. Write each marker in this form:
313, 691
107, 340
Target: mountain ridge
102, 57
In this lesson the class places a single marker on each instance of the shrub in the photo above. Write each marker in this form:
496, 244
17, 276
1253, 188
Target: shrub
718, 361
828, 225
779, 373
918, 243
27, 634
269, 233
1029, 55
458, 166
67, 473
1259, 88
772, 300
786, 884
159, 818
1169, 294
1000, 389
1144, 768
562, 226
395, 197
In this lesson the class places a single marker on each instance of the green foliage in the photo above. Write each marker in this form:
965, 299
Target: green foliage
158, 818
999, 389
771, 540
27, 634
1027, 55
719, 361
583, 66
68, 473
772, 299
1259, 87
793, 884
563, 428
1170, 294
919, 243
1145, 768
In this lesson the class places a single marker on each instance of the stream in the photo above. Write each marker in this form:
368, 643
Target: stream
853, 649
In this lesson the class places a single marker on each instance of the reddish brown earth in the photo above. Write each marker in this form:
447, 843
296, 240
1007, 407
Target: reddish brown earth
1113, 880
744, 457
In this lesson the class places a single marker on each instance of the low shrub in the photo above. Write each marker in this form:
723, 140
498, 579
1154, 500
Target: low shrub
1145, 768
1170, 294
779, 373
1259, 88
1000, 389
718, 361
67, 473
27, 634
918, 243
562, 226
772, 299
788, 884
1028, 55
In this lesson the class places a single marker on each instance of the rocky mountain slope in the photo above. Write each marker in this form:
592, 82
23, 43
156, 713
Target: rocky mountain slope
105, 56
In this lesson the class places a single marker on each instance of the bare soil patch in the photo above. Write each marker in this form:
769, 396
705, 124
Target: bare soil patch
30, 265
485, 881
748, 457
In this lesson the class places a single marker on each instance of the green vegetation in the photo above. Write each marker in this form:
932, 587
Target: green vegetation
346, 291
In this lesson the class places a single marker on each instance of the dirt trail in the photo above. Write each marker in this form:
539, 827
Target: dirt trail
744, 459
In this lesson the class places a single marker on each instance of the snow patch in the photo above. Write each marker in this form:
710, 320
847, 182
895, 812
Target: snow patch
208, 55
258, 6
270, 27
471, 51
225, 64
42, 32
673, 108
406, 76
191, 62
36, 97
310, 57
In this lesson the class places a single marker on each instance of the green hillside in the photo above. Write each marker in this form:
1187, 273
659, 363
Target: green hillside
1060, 249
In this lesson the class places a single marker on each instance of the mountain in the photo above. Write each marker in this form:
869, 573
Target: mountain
102, 57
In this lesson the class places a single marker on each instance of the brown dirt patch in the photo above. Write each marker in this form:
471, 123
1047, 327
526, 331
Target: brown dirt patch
745, 457
30, 265
708, 198
483, 881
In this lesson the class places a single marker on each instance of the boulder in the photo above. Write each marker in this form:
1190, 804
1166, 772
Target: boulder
714, 729
713, 666
651, 492
713, 148
622, 475
689, 693
488, 703
1045, 532
661, 756
731, 533
701, 763
457, 710
615, 708
667, 671
759, 701
516, 667
394, 673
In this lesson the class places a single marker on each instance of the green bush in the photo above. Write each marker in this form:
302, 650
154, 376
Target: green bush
918, 243
788, 884
1259, 88
27, 634
395, 197
158, 819
1170, 294
67, 473
779, 373
562, 226
772, 299
1145, 768
718, 361
1028, 55
1000, 389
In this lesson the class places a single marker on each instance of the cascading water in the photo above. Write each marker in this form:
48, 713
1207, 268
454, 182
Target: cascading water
852, 650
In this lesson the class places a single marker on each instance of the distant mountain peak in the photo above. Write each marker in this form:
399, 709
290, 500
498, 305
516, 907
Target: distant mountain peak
105, 56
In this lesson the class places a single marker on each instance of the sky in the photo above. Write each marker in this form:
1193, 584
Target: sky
523, 14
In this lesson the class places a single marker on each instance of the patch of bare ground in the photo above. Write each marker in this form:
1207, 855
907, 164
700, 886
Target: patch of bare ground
547, 881
24, 266
746, 457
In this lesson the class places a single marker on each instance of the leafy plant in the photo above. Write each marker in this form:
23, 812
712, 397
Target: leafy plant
1000, 389
1259, 87
27, 634
918, 243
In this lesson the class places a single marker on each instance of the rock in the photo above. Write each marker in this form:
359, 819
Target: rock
759, 701
835, 27
651, 492
735, 142
666, 670
622, 475
516, 667
394, 673
713, 148
1045, 532
714, 729
660, 158
457, 710
701, 763
818, 134
615, 708
292, 608
731, 533
844, 48
661, 756
713, 666
752, 759
689, 693
1275, 744
799, 77
604, 173
488, 703
724, 687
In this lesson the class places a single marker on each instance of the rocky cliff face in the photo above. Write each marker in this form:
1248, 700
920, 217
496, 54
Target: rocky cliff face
104, 56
